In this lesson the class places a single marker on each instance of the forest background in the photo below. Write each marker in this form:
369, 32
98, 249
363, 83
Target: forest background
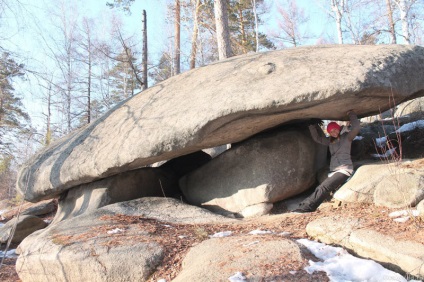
65, 63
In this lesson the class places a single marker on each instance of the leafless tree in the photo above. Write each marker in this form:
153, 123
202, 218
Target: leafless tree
62, 47
46, 82
405, 7
290, 22
338, 8
391, 21
255, 13
87, 48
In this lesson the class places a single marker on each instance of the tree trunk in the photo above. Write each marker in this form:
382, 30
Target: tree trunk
222, 30
338, 7
89, 89
193, 54
256, 25
403, 8
48, 138
242, 31
177, 36
144, 50
69, 95
1, 105
391, 23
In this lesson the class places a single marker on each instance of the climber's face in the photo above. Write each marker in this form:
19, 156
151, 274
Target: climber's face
334, 133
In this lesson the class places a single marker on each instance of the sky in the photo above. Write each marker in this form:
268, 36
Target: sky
22, 34
26, 29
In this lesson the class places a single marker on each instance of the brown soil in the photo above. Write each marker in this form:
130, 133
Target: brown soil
376, 218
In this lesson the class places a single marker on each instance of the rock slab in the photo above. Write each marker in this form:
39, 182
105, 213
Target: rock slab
395, 185
403, 256
261, 170
20, 227
230, 101
248, 255
96, 246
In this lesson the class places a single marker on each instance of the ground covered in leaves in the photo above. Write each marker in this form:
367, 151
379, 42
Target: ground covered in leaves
179, 238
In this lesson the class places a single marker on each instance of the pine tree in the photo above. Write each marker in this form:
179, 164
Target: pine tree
241, 21
123, 78
12, 123
163, 70
7, 178
242, 27
12, 115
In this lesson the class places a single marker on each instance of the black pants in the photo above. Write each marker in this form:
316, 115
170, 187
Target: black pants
324, 190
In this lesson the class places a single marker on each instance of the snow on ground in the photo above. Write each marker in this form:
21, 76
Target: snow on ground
260, 232
9, 254
411, 126
388, 153
341, 266
336, 262
221, 234
404, 215
381, 142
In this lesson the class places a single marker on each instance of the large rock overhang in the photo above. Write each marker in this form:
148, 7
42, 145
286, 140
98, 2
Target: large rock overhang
227, 102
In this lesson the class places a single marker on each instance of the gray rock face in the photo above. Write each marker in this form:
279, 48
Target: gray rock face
410, 107
263, 169
420, 207
87, 260
203, 264
96, 247
144, 182
230, 101
40, 208
400, 190
395, 185
25, 225
399, 255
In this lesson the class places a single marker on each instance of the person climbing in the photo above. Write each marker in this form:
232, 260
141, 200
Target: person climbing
341, 167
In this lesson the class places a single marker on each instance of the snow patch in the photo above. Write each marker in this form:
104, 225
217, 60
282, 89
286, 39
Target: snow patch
341, 266
221, 234
260, 232
237, 277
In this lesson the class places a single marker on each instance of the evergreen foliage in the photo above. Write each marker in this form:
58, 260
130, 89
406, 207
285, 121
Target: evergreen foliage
12, 114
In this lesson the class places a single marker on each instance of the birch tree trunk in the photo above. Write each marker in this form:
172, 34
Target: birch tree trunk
145, 80
222, 30
177, 36
48, 137
195, 33
87, 59
256, 25
403, 9
337, 6
391, 22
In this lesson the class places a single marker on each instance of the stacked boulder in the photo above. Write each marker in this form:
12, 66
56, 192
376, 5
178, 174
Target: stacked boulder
259, 103
230, 101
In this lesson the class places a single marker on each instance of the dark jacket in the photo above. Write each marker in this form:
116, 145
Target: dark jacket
340, 147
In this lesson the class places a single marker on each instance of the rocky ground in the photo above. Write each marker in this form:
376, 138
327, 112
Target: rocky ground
279, 221
377, 218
